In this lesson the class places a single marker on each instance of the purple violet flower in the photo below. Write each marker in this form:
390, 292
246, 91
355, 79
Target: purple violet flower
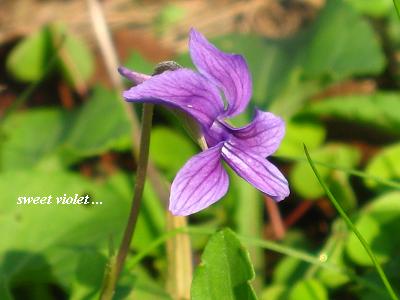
203, 180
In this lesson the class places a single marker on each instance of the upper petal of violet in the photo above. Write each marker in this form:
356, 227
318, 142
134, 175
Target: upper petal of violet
201, 182
256, 170
262, 136
228, 71
183, 89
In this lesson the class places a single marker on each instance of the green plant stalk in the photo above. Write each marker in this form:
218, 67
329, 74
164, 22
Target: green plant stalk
111, 278
350, 224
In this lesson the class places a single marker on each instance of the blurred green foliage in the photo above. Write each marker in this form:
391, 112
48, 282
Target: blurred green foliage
59, 252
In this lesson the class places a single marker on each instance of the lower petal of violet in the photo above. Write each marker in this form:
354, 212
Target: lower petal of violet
201, 182
256, 170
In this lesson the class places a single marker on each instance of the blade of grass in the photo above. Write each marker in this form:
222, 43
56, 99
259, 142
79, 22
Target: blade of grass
387, 182
350, 224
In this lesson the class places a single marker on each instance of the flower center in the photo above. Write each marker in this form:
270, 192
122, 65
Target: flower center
218, 132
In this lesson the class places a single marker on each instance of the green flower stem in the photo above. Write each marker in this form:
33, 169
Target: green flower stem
118, 263
350, 224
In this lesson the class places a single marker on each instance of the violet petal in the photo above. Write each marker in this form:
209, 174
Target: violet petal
255, 169
201, 182
228, 71
135, 77
262, 136
182, 89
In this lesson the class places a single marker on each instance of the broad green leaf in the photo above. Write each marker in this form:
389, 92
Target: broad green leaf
76, 61
271, 62
378, 222
298, 133
170, 150
343, 44
32, 137
5, 292
384, 165
397, 6
308, 289
100, 125
374, 8
225, 270
28, 60
304, 182
286, 72
88, 275
37, 240
379, 110
151, 220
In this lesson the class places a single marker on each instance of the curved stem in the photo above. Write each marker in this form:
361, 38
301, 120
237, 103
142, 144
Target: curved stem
350, 224
117, 264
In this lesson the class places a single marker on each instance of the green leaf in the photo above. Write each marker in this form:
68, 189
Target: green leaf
5, 292
308, 289
287, 72
304, 182
397, 6
384, 165
88, 275
225, 270
373, 8
76, 61
343, 44
378, 223
32, 137
379, 110
28, 60
170, 150
37, 240
100, 125
298, 133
